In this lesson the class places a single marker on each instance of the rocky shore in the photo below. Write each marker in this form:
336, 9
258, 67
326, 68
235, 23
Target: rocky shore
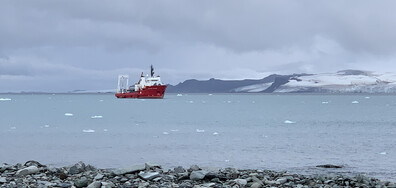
34, 174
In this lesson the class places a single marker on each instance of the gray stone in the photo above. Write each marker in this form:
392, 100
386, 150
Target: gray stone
282, 180
77, 168
107, 185
208, 185
241, 182
194, 168
151, 166
95, 184
129, 170
98, 176
148, 175
64, 185
179, 169
3, 180
198, 175
27, 171
256, 185
82, 182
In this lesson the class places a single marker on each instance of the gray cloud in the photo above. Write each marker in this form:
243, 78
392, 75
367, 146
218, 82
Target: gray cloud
48, 42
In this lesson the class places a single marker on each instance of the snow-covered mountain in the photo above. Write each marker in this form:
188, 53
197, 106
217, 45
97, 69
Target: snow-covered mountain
346, 81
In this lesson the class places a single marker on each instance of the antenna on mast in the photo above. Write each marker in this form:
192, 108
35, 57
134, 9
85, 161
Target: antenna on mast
152, 71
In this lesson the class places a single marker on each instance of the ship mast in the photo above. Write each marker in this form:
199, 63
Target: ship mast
152, 71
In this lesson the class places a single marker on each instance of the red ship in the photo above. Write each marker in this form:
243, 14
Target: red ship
147, 87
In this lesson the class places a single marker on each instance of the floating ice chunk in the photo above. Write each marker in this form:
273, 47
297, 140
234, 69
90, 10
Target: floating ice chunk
105, 130
210, 94
165, 133
69, 114
96, 117
215, 133
383, 153
5, 99
325, 102
88, 130
355, 102
253, 102
191, 101
200, 130
46, 126
226, 160
289, 122
175, 130
13, 128
366, 97
179, 95
228, 101
101, 100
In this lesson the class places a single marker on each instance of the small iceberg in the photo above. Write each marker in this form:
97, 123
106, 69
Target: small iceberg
175, 130
165, 133
200, 130
101, 100
355, 102
105, 130
96, 117
289, 122
383, 153
46, 126
13, 128
215, 133
366, 97
5, 99
88, 131
210, 94
69, 114
325, 102
191, 101
179, 95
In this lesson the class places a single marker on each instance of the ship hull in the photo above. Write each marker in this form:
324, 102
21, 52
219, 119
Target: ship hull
149, 92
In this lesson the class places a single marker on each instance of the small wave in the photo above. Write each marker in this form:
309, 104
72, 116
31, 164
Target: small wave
289, 122
69, 114
200, 130
5, 99
88, 131
96, 117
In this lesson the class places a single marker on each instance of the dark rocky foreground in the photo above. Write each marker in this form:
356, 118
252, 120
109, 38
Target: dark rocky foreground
34, 174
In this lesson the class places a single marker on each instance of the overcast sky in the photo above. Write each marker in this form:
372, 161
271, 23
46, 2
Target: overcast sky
48, 45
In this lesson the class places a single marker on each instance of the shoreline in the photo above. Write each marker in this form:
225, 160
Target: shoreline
35, 174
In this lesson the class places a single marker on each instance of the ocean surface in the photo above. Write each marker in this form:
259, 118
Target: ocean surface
278, 132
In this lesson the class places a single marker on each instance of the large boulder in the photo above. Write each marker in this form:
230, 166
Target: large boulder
27, 171
77, 168
198, 175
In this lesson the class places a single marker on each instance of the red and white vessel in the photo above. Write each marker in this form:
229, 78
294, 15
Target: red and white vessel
147, 87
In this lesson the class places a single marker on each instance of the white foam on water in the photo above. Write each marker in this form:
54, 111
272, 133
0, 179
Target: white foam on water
228, 101
200, 130
366, 97
179, 95
5, 99
226, 160
253, 102
325, 102
96, 117
383, 153
105, 130
175, 130
46, 126
88, 131
215, 133
165, 133
101, 100
355, 102
13, 128
210, 94
69, 114
289, 122
191, 101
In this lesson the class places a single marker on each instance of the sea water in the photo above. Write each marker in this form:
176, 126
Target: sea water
278, 132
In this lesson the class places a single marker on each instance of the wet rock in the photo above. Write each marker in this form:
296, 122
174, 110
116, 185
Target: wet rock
34, 163
64, 185
148, 175
198, 175
241, 182
82, 182
3, 180
281, 180
151, 166
194, 168
179, 169
62, 176
129, 170
98, 176
256, 185
95, 184
27, 171
77, 168
328, 166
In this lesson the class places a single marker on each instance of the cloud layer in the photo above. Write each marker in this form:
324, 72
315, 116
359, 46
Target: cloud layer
65, 45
